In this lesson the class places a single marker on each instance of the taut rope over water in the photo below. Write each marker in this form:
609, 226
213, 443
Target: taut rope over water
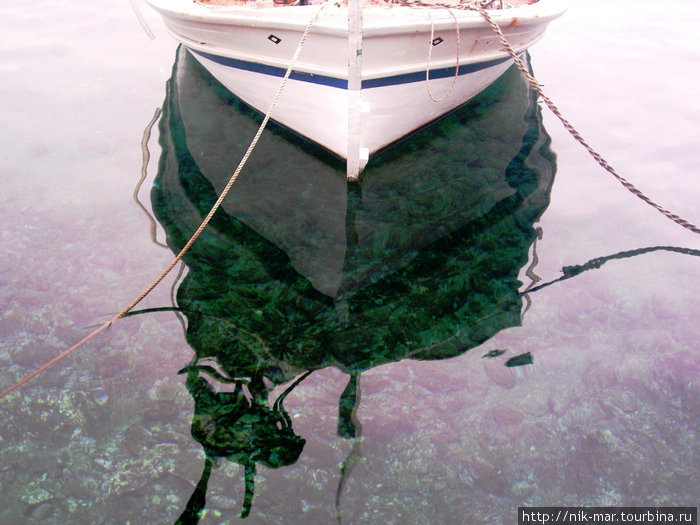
480, 6
196, 234
569, 127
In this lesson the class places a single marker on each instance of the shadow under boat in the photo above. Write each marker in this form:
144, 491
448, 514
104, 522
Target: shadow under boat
300, 270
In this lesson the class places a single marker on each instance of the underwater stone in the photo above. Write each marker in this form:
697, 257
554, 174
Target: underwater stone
41, 512
165, 390
34, 495
503, 416
223, 502
101, 398
522, 489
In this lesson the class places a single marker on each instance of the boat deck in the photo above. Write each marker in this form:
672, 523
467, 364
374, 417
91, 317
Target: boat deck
492, 5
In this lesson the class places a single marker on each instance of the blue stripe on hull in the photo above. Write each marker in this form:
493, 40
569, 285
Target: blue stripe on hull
324, 80
273, 71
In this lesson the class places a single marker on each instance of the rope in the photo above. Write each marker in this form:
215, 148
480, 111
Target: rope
142, 20
569, 127
430, 53
572, 271
479, 6
196, 234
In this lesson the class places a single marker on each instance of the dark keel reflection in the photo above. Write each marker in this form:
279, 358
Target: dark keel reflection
301, 270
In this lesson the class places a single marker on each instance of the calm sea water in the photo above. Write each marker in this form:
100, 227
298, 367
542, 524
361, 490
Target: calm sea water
382, 298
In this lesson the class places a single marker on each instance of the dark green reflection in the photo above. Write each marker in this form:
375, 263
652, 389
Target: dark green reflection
300, 270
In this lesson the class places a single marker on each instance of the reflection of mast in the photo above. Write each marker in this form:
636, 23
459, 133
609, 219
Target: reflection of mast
349, 427
195, 506
348, 424
354, 202
345, 469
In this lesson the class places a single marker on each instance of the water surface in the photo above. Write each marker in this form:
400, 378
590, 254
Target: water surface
383, 298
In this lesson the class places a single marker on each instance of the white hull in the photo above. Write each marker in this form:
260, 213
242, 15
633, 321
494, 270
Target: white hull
320, 112
354, 109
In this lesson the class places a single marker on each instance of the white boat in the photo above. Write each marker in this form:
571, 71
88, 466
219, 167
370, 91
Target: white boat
367, 75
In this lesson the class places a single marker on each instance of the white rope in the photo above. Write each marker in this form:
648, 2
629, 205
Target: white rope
430, 53
142, 20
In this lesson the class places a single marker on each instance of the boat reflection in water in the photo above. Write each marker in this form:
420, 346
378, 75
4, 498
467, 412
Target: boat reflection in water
301, 270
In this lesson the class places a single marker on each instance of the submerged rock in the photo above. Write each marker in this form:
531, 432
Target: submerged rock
33, 494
